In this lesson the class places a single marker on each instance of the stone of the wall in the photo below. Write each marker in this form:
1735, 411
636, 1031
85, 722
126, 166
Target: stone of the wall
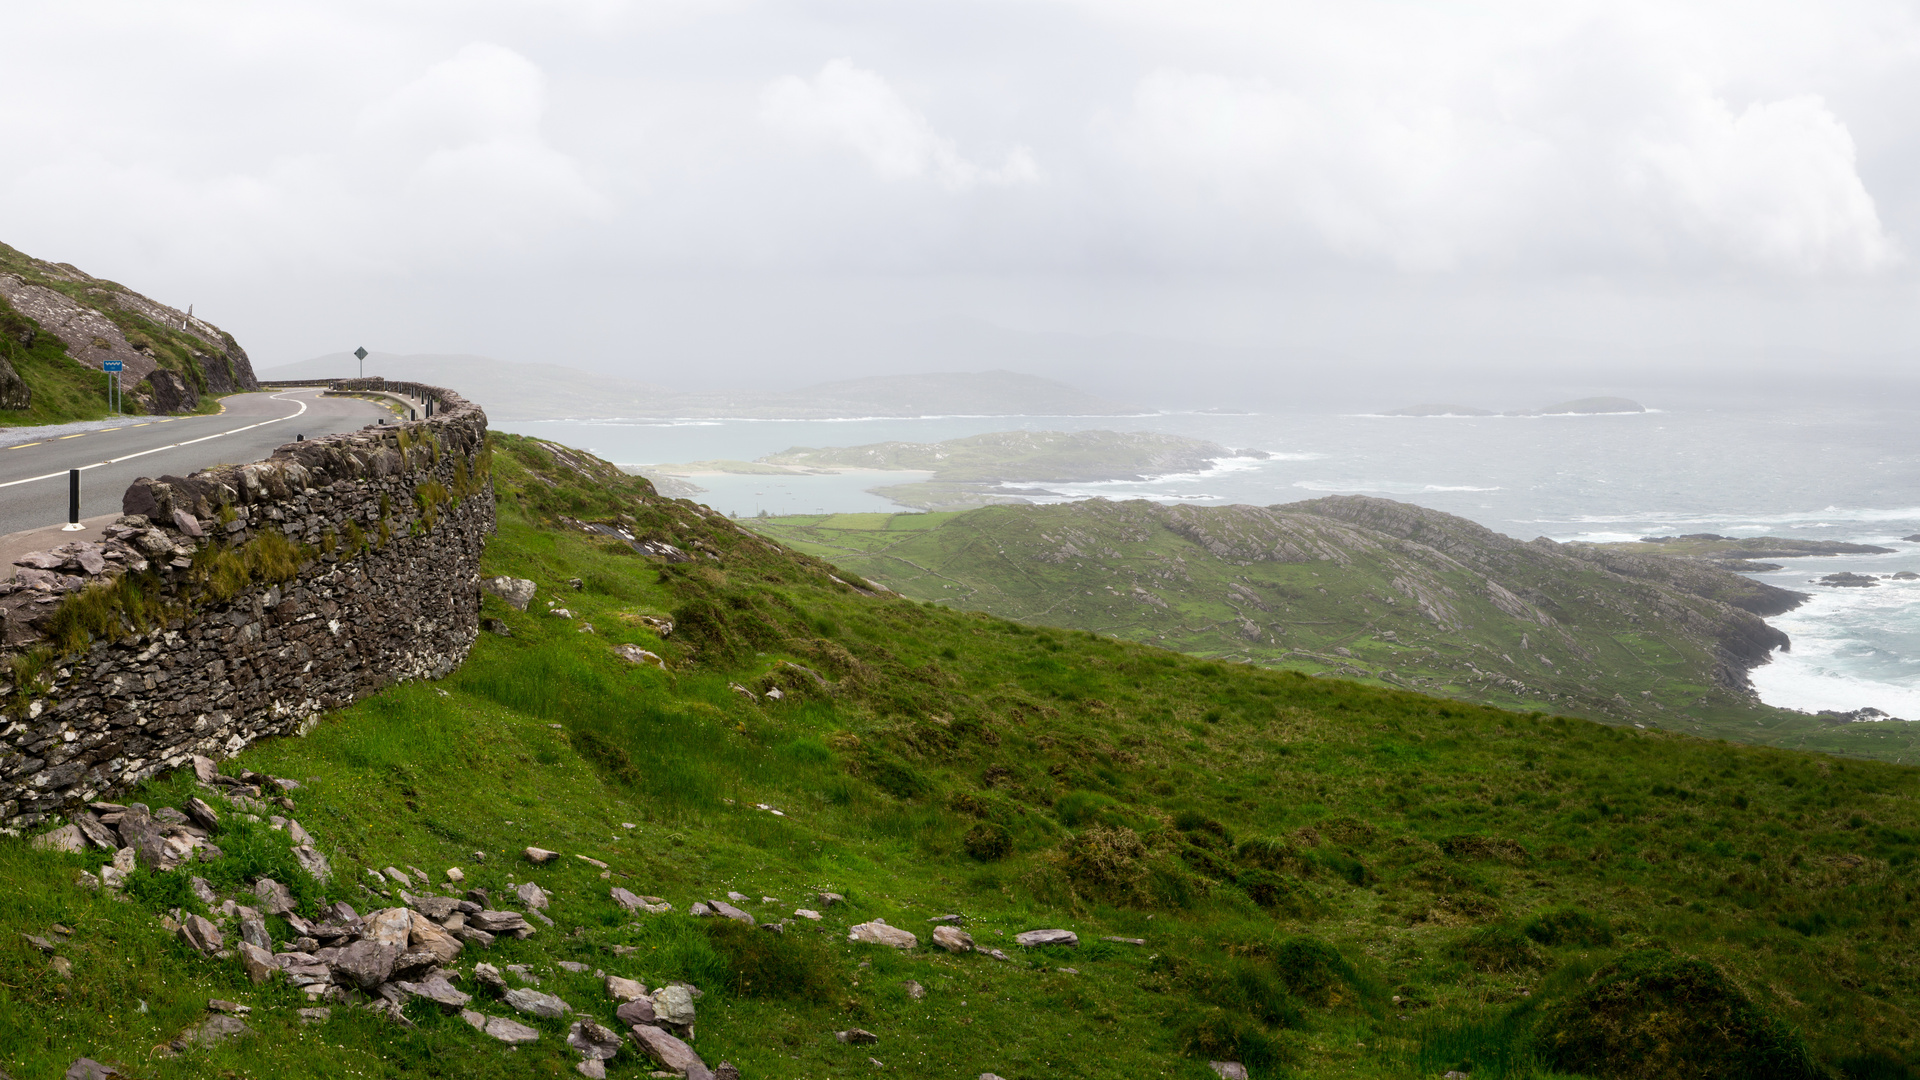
275, 656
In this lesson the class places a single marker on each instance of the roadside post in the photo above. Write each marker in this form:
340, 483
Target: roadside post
113, 368
73, 503
361, 354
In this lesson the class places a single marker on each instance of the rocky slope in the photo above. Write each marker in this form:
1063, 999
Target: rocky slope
170, 357
1351, 585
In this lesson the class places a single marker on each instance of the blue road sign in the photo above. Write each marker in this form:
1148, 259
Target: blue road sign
113, 365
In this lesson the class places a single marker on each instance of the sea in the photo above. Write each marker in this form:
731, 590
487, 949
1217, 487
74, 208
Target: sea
1821, 472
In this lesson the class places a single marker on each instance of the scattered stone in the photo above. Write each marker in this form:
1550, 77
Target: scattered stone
634, 654
995, 953
953, 939
721, 907
202, 814
389, 926
455, 875
592, 1041
672, 1054
253, 931
212, 1032
574, 966
591, 862
319, 1015
726, 1070
535, 1003
991, 1076
806, 913
945, 919
366, 963
490, 975
511, 1032
737, 898
67, 838
276, 898
397, 875
1233, 1070
38, 942
857, 1036
699, 910
878, 932
202, 890
1034, 938
828, 899
625, 899
61, 966
312, 862
592, 1068
89, 1069
532, 895
673, 1005
232, 1008
1126, 940
620, 989
1067, 970
201, 934
498, 922
258, 961
517, 592
438, 990
637, 1011
540, 855
915, 990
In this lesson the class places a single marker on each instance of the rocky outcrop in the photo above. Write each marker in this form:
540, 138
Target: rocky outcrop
335, 567
176, 355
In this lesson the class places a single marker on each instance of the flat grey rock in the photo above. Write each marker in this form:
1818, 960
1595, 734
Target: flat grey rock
878, 932
1034, 938
535, 1003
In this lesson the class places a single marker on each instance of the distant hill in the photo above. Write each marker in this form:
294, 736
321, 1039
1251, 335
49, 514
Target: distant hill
516, 391
1362, 587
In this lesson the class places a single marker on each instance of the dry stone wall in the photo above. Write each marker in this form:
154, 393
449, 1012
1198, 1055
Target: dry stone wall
386, 526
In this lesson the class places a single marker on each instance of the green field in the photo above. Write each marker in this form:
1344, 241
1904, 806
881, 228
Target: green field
1331, 879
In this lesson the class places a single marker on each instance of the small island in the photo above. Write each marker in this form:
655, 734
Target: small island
1592, 406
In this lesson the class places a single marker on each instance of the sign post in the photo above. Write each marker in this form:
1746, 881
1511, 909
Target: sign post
113, 369
361, 353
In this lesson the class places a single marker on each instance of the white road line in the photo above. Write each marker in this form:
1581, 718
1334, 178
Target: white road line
175, 446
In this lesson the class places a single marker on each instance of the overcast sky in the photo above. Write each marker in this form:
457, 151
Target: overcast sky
691, 192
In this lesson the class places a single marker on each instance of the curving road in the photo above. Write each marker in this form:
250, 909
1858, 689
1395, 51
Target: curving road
33, 475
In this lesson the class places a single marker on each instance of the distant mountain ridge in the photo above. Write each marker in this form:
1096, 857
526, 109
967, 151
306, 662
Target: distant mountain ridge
517, 391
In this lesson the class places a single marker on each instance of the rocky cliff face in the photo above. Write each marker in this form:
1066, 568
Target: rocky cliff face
170, 358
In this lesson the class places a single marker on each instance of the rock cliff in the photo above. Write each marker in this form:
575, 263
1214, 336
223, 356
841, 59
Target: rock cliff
170, 357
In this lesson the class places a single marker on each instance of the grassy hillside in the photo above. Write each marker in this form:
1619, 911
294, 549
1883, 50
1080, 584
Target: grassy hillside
63, 388
1327, 878
1368, 589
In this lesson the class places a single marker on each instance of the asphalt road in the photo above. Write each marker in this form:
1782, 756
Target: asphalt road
33, 475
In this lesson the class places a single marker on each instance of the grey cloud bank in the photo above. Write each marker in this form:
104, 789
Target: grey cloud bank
698, 194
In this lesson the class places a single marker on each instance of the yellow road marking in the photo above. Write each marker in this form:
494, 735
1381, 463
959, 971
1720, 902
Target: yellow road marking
82, 434
22, 446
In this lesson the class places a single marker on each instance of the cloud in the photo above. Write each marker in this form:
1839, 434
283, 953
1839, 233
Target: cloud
1425, 178
856, 108
1774, 185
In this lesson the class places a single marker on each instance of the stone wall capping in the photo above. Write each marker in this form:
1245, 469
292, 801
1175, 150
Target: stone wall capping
274, 656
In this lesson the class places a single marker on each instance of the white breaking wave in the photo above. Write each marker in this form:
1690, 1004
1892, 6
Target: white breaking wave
1387, 487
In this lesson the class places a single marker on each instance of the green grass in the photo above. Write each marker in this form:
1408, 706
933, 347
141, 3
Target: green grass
1332, 878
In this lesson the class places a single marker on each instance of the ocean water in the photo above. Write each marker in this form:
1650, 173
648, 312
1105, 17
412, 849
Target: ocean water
1815, 472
